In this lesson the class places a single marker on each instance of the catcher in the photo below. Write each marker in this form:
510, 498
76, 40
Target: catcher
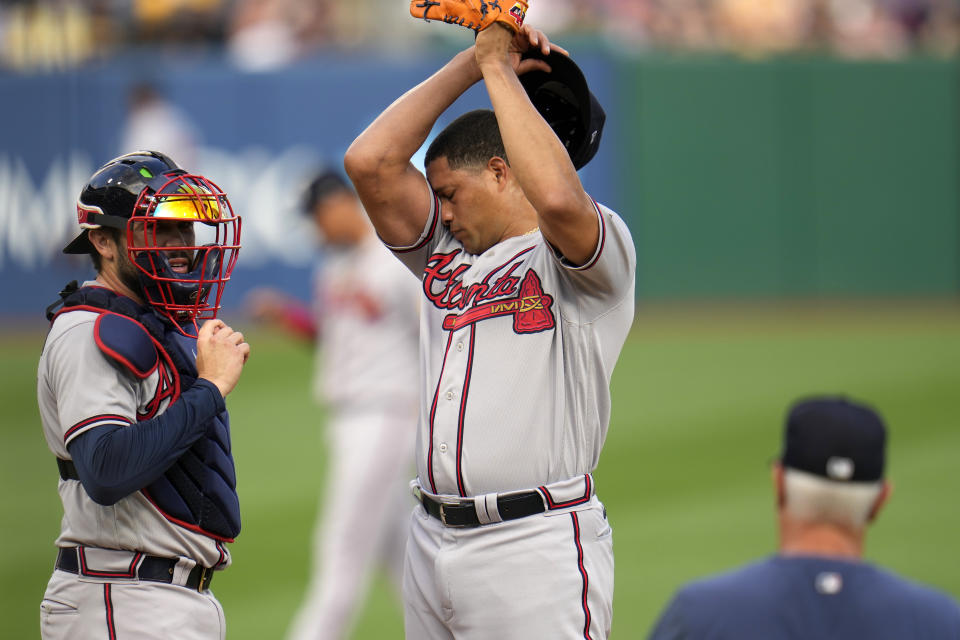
131, 389
527, 297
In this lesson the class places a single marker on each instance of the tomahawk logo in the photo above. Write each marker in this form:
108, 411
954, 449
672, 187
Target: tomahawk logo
166, 390
530, 309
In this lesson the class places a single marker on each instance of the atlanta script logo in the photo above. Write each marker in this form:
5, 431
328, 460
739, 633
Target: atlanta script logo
508, 295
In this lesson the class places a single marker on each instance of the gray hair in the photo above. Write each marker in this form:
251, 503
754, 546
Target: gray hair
812, 498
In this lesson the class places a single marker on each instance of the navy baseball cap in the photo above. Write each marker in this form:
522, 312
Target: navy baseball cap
835, 438
564, 100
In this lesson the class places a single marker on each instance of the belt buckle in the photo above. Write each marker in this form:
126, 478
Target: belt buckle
443, 515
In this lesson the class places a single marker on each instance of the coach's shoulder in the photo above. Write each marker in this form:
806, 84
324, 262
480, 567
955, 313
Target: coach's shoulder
715, 601
894, 591
746, 584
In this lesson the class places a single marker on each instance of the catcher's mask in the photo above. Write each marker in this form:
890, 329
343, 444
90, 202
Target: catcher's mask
139, 193
564, 100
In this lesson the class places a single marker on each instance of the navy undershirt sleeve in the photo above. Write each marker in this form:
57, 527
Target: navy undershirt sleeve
114, 461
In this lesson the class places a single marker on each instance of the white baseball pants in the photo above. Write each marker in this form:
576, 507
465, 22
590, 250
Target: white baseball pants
544, 576
76, 608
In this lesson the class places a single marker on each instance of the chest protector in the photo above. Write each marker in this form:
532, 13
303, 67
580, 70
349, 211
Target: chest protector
199, 491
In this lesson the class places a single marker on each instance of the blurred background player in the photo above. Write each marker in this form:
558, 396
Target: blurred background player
830, 486
131, 396
154, 122
365, 322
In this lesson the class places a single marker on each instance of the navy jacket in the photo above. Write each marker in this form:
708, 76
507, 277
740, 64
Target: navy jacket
808, 598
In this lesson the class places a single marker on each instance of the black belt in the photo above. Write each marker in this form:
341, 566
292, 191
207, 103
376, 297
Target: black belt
151, 568
68, 471
463, 513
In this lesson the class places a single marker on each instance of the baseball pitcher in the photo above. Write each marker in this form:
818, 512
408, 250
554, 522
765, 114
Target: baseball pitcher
527, 297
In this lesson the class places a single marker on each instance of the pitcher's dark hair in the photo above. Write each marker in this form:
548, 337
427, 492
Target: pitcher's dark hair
469, 141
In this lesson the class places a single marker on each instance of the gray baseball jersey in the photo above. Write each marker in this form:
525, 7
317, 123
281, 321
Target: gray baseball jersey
366, 309
516, 353
79, 389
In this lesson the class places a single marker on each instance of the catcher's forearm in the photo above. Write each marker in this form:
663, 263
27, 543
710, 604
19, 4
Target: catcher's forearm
392, 139
114, 462
542, 166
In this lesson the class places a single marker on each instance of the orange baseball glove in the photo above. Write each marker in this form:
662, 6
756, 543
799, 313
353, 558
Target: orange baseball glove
472, 14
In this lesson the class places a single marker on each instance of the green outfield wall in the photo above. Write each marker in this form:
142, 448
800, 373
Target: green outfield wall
791, 177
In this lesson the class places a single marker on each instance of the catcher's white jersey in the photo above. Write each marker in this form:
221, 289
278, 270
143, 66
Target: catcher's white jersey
78, 389
516, 353
367, 317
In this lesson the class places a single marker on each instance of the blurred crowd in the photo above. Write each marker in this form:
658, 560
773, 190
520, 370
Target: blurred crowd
265, 34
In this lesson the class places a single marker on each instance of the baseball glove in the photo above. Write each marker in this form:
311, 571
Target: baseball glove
472, 14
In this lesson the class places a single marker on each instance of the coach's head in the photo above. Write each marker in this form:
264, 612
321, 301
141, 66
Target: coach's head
830, 476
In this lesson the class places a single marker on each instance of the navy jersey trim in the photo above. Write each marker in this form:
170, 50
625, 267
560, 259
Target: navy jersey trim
603, 239
430, 234
433, 415
131, 571
463, 409
222, 552
96, 421
108, 607
552, 504
585, 605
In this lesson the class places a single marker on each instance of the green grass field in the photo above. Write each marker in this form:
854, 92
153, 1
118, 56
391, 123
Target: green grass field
699, 397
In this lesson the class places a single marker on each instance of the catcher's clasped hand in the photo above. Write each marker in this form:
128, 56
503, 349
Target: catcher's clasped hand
472, 14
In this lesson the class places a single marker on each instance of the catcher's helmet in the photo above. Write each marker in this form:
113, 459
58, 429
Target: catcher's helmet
564, 100
139, 190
